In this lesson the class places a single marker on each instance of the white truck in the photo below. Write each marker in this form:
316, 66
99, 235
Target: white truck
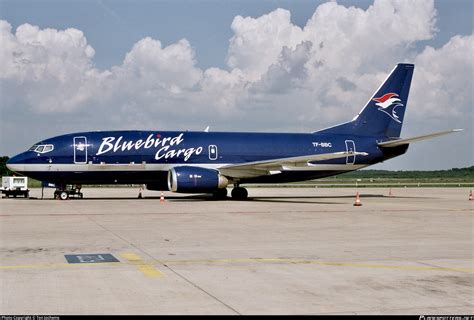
15, 186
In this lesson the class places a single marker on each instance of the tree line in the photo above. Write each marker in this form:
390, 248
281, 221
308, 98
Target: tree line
3, 167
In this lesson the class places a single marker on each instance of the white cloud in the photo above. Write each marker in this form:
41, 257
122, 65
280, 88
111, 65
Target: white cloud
34, 54
443, 84
354, 38
45, 70
288, 72
280, 77
257, 42
171, 68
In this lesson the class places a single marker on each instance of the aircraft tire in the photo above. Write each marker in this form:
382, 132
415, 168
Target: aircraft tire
63, 195
239, 193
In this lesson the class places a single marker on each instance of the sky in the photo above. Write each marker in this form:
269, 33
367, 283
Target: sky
241, 65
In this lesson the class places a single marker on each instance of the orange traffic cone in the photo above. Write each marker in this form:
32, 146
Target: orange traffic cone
470, 196
357, 202
162, 197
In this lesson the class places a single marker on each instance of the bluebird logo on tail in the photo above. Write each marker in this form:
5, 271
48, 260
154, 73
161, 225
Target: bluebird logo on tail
388, 103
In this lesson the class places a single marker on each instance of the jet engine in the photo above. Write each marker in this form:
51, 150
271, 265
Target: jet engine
195, 180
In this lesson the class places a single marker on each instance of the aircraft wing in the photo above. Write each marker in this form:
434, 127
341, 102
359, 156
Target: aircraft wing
273, 166
399, 142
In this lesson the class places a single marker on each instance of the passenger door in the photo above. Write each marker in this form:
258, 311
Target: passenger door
80, 149
350, 147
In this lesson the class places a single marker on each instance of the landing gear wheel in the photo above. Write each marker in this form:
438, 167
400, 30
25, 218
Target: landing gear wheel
63, 195
220, 194
239, 193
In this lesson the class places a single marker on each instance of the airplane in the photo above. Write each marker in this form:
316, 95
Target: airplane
208, 162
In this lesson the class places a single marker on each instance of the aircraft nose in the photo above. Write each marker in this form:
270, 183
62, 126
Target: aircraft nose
16, 163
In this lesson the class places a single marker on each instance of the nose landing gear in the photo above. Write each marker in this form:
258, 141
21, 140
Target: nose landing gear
63, 192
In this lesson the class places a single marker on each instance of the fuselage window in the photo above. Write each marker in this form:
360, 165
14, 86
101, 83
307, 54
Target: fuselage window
43, 148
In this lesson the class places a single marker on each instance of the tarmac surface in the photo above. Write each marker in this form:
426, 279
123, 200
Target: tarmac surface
284, 251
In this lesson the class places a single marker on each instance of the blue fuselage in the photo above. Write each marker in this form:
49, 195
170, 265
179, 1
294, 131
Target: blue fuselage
145, 157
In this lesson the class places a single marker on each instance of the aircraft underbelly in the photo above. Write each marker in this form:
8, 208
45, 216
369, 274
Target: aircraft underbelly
104, 177
138, 174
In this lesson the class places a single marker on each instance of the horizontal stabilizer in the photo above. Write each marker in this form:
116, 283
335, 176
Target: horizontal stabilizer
399, 142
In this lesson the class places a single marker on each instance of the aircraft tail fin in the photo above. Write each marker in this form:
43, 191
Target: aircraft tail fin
384, 112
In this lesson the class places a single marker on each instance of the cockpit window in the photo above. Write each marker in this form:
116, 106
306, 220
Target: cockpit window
42, 148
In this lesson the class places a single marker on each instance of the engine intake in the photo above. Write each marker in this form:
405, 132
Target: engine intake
195, 180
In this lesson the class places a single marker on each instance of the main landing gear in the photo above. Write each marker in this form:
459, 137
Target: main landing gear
239, 193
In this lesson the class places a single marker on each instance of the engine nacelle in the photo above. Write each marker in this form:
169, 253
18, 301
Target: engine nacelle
195, 180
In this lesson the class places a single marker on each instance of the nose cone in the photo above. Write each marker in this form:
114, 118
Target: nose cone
17, 163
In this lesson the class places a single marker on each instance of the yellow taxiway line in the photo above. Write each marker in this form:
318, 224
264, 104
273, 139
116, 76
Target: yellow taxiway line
149, 269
